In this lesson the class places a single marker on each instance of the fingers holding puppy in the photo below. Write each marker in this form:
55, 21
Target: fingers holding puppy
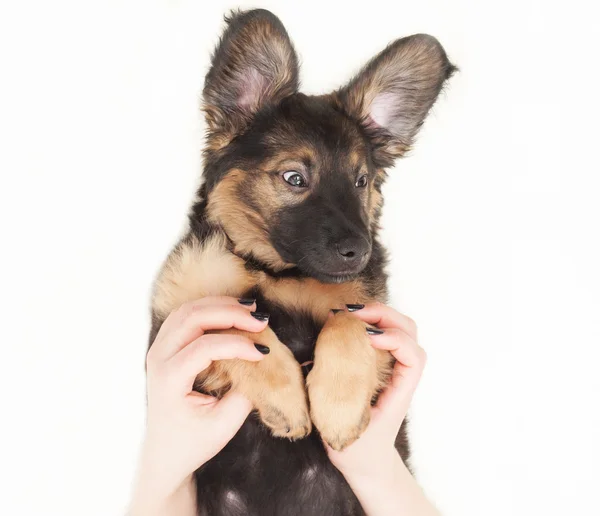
384, 316
396, 333
191, 320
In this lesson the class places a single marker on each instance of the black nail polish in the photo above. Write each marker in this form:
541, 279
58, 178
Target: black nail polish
265, 350
336, 310
246, 301
261, 316
354, 308
374, 331
307, 368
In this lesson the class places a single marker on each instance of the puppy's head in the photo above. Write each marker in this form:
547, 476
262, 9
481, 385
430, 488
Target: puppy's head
295, 180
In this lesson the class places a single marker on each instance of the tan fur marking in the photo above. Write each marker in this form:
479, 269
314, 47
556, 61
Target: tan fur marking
310, 295
357, 157
287, 158
198, 269
376, 199
275, 385
245, 227
347, 373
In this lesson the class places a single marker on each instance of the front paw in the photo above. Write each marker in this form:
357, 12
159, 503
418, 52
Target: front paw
340, 413
279, 393
342, 381
285, 412
274, 385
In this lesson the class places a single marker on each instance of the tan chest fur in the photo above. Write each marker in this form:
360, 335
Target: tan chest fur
199, 269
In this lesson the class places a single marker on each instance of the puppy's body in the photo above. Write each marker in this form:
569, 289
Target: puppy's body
288, 214
257, 474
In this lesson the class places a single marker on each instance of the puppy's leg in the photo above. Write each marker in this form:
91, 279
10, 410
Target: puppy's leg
347, 373
274, 385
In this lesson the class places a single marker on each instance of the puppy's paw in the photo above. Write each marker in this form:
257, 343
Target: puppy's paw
342, 381
340, 419
285, 410
276, 387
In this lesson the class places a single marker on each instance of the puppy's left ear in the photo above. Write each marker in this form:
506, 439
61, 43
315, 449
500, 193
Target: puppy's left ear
393, 93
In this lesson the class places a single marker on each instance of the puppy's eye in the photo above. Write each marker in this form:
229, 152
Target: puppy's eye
295, 179
362, 181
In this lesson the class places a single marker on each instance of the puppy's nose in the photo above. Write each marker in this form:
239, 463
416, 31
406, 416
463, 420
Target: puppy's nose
352, 250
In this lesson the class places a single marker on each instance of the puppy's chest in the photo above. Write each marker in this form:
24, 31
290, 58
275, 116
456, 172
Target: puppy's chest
296, 328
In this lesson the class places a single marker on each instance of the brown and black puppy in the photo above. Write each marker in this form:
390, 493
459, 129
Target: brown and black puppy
288, 214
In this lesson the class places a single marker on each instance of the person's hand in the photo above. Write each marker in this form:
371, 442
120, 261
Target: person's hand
184, 428
371, 465
373, 455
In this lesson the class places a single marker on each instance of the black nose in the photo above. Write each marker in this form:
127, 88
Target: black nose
352, 251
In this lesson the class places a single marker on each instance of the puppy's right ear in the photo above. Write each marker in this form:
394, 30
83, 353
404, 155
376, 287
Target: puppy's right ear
253, 66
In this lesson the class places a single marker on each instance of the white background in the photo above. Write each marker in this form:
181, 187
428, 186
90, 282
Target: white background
492, 223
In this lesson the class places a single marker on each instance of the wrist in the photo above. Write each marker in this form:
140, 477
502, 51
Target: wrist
380, 470
151, 499
160, 484
389, 491
378, 463
162, 470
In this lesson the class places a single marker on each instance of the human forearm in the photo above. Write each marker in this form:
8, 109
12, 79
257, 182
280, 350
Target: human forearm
390, 490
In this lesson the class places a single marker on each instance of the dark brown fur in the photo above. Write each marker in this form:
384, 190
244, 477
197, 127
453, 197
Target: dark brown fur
300, 250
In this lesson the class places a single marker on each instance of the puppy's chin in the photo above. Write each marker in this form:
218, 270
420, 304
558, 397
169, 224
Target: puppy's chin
328, 277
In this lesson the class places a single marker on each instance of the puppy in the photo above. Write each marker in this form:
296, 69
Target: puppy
288, 214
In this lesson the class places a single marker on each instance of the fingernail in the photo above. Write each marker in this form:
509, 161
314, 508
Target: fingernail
307, 368
246, 301
374, 331
265, 350
261, 316
354, 308
336, 310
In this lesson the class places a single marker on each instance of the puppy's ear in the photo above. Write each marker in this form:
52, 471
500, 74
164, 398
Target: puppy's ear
253, 66
393, 93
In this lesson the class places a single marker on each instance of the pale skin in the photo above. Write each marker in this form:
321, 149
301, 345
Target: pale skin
177, 415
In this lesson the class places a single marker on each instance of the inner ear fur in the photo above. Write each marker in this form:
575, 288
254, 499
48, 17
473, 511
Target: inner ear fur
391, 96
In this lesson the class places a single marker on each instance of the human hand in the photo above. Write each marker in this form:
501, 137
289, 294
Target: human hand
373, 455
185, 428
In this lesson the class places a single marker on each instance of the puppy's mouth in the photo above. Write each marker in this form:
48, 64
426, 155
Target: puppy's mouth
336, 278
333, 276
335, 262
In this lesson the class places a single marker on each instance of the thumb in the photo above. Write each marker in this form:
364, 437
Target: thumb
230, 413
